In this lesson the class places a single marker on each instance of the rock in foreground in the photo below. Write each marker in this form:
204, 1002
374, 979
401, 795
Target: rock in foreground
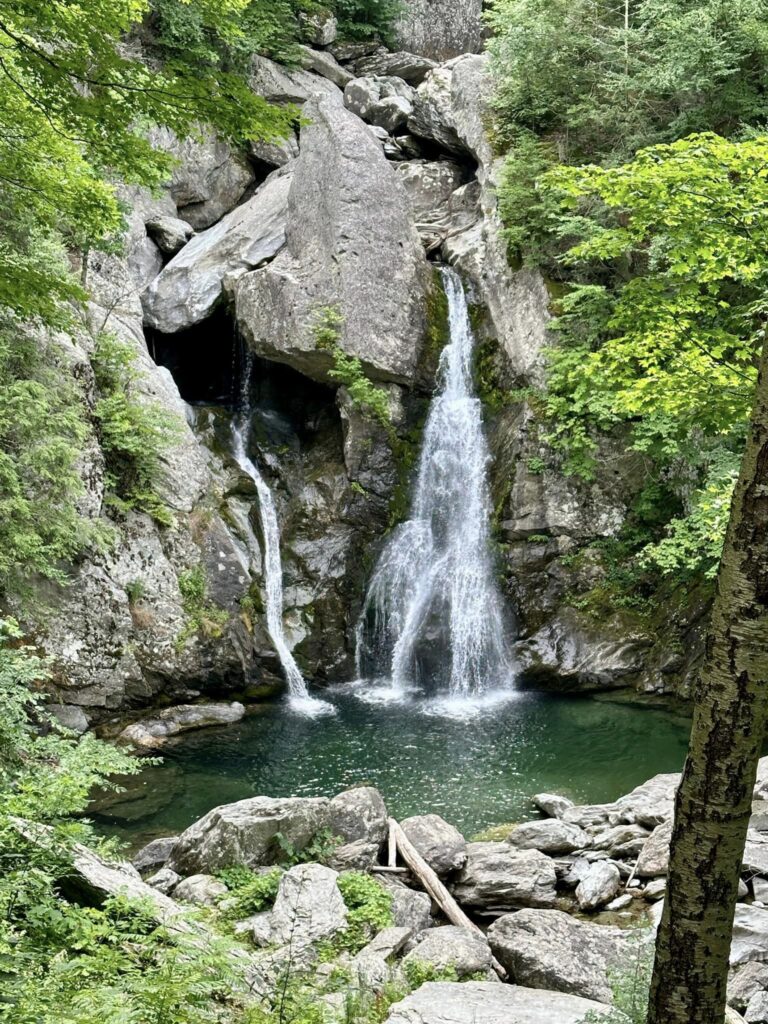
489, 1003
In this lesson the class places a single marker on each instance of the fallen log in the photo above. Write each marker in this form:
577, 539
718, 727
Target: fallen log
433, 886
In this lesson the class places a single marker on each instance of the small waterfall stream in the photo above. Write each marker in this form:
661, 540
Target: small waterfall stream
273, 568
432, 617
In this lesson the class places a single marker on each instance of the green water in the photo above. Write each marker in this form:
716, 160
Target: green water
476, 771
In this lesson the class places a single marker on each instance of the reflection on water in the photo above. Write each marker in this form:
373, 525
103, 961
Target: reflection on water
474, 769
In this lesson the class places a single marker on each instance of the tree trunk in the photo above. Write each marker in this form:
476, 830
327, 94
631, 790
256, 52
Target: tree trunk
715, 796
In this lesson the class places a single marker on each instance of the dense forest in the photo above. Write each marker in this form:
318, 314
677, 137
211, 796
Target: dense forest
633, 174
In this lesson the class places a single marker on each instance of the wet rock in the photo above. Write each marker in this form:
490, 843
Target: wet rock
350, 246
441, 845
653, 861
169, 233
359, 814
190, 286
204, 890
550, 836
164, 880
244, 833
474, 1002
598, 886
155, 854
552, 804
620, 903
409, 66
448, 947
309, 906
498, 877
548, 949
440, 29
153, 732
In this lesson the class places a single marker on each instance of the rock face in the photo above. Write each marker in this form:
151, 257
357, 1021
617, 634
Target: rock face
244, 833
475, 1002
350, 247
550, 950
441, 29
498, 877
653, 861
441, 845
188, 289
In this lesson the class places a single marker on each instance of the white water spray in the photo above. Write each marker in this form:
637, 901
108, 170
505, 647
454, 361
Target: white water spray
273, 569
433, 612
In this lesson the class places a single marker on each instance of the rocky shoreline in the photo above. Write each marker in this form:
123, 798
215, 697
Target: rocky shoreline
565, 902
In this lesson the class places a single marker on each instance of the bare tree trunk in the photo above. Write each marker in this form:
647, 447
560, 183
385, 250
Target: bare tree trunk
715, 796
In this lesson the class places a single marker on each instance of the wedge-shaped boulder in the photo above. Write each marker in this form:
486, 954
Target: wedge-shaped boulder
551, 950
497, 877
309, 906
351, 248
653, 861
244, 833
188, 289
441, 844
482, 1002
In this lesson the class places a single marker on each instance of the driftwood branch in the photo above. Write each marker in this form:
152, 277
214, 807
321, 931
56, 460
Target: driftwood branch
433, 886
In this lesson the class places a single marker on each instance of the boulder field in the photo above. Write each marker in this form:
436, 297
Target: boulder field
557, 909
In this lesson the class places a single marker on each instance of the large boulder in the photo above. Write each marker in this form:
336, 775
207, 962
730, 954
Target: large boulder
551, 950
188, 289
410, 909
482, 1002
204, 890
598, 886
309, 906
411, 67
209, 177
153, 732
154, 855
441, 845
450, 948
550, 836
440, 29
653, 861
359, 814
351, 247
651, 803
497, 877
244, 833
279, 84
384, 102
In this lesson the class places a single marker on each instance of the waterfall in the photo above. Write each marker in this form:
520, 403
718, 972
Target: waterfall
433, 615
273, 568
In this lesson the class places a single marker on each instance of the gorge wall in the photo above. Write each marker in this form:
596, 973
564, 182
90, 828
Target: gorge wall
391, 169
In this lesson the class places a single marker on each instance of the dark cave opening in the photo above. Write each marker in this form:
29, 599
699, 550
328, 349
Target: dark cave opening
207, 362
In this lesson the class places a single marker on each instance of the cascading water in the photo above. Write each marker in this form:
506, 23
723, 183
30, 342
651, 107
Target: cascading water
273, 569
433, 612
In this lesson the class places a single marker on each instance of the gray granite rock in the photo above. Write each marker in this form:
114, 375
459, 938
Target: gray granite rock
441, 845
498, 877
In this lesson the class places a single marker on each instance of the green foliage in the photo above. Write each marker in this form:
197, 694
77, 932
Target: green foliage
572, 85
42, 433
135, 431
365, 19
630, 984
318, 851
369, 907
203, 616
249, 892
419, 974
